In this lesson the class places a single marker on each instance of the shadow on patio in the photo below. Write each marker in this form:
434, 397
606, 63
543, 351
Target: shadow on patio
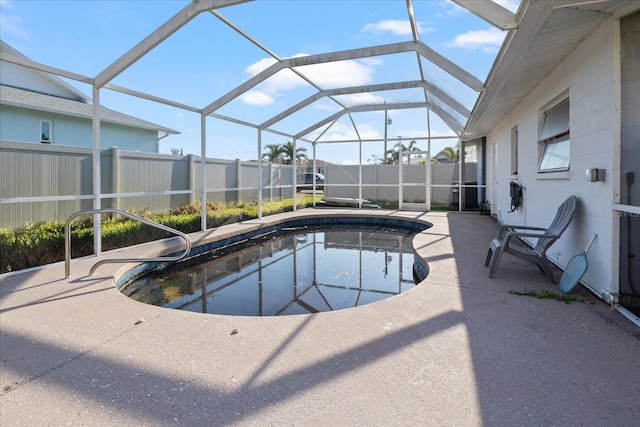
457, 350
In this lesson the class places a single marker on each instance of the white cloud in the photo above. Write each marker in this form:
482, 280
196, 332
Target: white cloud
344, 132
327, 75
255, 97
360, 99
261, 65
372, 61
11, 24
389, 25
394, 26
451, 8
332, 108
488, 40
339, 74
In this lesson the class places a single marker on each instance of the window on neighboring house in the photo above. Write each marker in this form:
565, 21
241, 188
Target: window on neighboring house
514, 150
554, 139
45, 132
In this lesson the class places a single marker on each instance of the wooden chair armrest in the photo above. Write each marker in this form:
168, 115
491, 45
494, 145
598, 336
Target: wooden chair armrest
536, 235
513, 228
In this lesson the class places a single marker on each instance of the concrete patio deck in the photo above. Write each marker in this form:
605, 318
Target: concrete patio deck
459, 349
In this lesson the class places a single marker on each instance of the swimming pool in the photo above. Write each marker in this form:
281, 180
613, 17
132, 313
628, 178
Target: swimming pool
294, 268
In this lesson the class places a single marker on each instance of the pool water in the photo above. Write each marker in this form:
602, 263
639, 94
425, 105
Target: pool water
304, 270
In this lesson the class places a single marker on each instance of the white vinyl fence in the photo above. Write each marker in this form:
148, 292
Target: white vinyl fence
45, 182
380, 183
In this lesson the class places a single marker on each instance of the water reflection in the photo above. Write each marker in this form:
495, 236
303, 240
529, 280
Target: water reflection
304, 272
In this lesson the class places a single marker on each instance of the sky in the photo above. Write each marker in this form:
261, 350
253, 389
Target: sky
206, 59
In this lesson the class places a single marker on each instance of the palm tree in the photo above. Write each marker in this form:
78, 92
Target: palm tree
393, 155
413, 146
287, 153
273, 153
450, 153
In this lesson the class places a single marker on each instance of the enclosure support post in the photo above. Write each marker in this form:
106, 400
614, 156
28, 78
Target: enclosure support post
314, 176
192, 177
295, 176
97, 199
359, 173
203, 172
239, 180
400, 183
115, 176
259, 174
270, 181
428, 177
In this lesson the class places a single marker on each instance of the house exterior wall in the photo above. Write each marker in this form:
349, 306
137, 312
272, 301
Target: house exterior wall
21, 124
588, 77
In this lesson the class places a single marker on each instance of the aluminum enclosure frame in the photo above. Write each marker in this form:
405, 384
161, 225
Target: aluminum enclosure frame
489, 11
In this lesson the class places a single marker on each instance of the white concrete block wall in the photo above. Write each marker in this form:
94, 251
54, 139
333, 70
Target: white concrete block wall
588, 77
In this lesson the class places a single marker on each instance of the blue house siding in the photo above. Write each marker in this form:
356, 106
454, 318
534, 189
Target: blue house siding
28, 97
128, 138
23, 125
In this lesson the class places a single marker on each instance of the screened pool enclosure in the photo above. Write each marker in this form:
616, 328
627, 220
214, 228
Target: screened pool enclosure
348, 128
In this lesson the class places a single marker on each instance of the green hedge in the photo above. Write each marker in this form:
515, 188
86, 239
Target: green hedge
43, 243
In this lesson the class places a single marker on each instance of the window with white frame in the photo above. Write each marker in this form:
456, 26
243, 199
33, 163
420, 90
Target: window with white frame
554, 139
46, 132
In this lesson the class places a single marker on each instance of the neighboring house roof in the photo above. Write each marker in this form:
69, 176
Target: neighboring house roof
41, 102
442, 158
35, 90
38, 81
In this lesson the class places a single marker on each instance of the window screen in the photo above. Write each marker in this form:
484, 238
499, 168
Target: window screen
554, 135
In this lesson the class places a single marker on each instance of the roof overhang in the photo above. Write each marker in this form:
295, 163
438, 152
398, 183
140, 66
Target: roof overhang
548, 31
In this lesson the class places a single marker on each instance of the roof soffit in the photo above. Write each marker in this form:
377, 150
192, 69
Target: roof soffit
548, 32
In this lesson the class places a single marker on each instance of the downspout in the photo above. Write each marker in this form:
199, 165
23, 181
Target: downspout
630, 181
166, 134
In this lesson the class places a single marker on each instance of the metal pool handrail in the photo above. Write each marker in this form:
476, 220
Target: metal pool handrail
67, 240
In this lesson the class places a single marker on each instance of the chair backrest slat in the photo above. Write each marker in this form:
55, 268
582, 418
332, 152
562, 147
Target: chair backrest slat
560, 223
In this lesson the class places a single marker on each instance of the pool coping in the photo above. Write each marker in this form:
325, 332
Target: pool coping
201, 253
224, 240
